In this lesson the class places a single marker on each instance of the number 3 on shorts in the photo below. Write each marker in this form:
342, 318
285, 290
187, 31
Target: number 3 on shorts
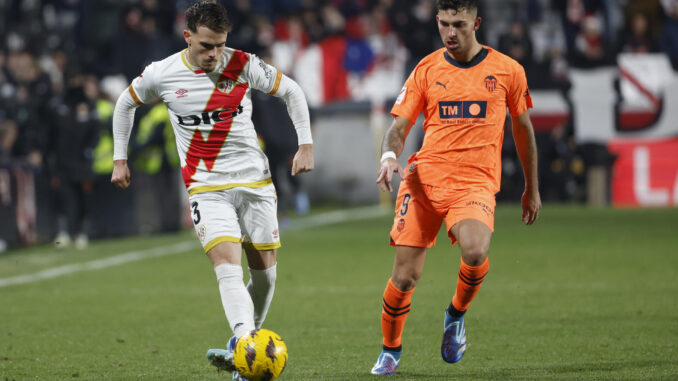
406, 204
196, 212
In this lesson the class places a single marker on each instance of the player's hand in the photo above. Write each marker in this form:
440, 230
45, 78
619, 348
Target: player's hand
531, 203
385, 174
120, 177
303, 159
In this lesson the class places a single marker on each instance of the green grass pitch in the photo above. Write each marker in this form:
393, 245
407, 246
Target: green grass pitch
585, 294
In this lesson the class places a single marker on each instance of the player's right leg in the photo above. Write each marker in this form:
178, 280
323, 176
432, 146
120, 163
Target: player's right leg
415, 228
235, 299
216, 224
407, 268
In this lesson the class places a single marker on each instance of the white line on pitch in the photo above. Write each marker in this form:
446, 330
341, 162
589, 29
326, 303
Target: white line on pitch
339, 216
117, 260
133, 256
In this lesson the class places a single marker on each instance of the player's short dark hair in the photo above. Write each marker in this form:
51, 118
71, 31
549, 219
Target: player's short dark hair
209, 14
458, 5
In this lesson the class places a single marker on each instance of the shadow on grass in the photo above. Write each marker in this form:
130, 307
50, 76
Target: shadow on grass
604, 370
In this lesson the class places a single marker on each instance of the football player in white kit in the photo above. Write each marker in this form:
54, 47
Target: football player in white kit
206, 88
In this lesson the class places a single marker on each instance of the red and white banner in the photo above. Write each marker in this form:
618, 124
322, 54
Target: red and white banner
645, 172
649, 93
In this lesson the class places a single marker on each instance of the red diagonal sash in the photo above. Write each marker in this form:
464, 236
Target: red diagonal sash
221, 109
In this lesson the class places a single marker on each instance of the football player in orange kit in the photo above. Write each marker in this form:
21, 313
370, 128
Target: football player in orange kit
464, 90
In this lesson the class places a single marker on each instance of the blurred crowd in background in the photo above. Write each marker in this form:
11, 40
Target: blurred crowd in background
64, 62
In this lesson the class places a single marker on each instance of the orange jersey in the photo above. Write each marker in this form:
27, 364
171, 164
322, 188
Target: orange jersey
464, 107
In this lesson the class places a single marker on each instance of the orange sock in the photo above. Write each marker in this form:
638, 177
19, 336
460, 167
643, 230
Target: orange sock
395, 308
468, 283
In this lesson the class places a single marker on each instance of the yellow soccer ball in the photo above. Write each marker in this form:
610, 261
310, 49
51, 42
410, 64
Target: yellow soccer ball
260, 355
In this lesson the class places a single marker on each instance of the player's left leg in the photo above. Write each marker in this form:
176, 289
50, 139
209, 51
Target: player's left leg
259, 223
474, 240
261, 286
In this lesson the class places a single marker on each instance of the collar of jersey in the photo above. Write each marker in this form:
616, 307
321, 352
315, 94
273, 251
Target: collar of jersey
473, 62
188, 65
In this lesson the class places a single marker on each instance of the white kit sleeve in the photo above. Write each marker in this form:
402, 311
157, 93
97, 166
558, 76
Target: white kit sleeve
123, 118
142, 90
297, 108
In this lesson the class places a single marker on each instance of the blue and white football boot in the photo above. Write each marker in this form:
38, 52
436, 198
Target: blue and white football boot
231, 347
454, 338
222, 359
387, 363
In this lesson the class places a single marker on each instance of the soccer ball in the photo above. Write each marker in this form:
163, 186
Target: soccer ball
260, 355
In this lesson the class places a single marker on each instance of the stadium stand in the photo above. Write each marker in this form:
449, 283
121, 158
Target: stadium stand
602, 77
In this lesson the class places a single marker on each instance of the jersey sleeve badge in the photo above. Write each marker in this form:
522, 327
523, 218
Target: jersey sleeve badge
401, 95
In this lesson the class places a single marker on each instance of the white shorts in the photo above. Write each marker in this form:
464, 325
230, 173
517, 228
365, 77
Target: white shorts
240, 214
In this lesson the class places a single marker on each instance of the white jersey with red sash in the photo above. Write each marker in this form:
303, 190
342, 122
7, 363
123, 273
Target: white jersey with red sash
211, 115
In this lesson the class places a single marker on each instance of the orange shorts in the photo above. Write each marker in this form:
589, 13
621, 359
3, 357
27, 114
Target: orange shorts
421, 209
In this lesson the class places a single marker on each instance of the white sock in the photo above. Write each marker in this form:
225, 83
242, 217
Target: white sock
261, 287
237, 302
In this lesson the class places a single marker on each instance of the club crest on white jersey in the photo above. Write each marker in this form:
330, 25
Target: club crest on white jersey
226, 85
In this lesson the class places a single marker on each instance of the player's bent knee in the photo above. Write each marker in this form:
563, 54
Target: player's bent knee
474, 256
261, 259
225, 252
405, 282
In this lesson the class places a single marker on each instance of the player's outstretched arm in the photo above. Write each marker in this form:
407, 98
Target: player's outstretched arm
303, 159
391, 148
123, 118
297, 108
523, 134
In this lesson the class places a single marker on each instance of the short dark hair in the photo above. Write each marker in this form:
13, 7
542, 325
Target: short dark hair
209, 14
458, 5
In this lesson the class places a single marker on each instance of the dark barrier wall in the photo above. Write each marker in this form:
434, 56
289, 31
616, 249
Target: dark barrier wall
29, 211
